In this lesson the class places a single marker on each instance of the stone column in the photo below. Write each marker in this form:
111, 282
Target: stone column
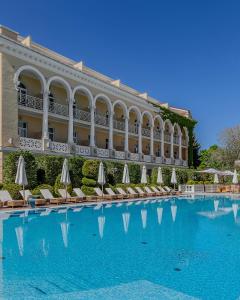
70, 121
92, 134
151, 141
180, 146
45, 115
126, 148
140, 137
171, 152
162, 143
110, 142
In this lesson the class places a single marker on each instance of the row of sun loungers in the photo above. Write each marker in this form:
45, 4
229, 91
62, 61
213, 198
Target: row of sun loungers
48, 198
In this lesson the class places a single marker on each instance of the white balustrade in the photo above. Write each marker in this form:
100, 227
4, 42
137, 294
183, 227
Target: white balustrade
134, 156
178, 162
102, 152
30, 144
185, 163
118, 125
168, 161
146, 132
30, 101
119, 154
147, 158
176, 140
83, 150
157, 134
59, 147
159, 160
133, 128
101, 119
57, 108
167, 138
81, 115
184, 142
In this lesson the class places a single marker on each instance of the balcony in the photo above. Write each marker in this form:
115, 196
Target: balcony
118, 125
119, 155
176, 140
83, 150
146, 132
133, 128
82, 115
30, 144
184, 142
102, 152
59, 147
101, 119
147, 158
167, 138
29, 101
157, 134
57, 108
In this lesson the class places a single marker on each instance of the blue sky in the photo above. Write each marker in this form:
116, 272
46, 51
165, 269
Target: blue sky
186, 53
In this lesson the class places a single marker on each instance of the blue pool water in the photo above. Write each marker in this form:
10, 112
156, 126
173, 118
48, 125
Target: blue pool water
174, 249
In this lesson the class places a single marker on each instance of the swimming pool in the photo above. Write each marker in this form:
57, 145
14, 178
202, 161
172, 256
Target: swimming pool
169, 249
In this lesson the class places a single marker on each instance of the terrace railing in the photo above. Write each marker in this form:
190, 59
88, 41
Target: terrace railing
82, 115
30, 101
101, 119
146, 132
57, 108
157, 134
118, 125
167, 138
30, 144
133, 128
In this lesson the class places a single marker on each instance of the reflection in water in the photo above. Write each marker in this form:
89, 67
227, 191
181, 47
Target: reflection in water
216, 204
101, 223
19, 234
174, 212
126, 220
235, 210
159, 214
64, 229
144, 218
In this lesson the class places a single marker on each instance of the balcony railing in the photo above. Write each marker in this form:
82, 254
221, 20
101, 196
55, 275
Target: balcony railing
176, 140
57, 108
102, 152
30, 144
184, 142
101, 119
134, 156
59, 147
30, 101
82, 115
118, 125
83, 150
147, 158
146, 132
133, 128
167, 138
157, 134
119, 154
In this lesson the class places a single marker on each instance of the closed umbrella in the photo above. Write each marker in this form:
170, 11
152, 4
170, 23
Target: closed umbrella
174, 177
216, 180
21, 177
159, 176
144, 175
101, 175
235, 177
65, 177
126, 178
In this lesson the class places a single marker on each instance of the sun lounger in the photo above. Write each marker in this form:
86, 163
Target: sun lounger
48, 196
158, 193
26, 194
6, 199
65, 195
80, 194
133, 193
123, 193
161, 189
111, 193
141, 192
170, 191
150, 192
100, 194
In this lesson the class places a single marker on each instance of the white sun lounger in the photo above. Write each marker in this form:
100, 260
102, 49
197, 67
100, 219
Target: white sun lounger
111, 193
141, 193
65, 195
132, 192
48, 196
6, 199
150, 192
27, 194
100, 194
80, 194
123, 193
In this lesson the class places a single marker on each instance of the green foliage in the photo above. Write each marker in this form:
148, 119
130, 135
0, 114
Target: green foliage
52, 166
10, 167
13, 190
89, 181
88, 190
36, 191
134, 173
90, 168
75, 167
58, 185
211, 158
114, 172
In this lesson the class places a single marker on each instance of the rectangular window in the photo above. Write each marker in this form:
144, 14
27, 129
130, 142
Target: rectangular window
106, 144
22, 129
51, 133
75, 137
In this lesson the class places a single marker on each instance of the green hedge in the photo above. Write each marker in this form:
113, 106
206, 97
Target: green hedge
88, 190
89, 181
36, 191
75, 167
134, 172
90, 168
13, 190
10, 167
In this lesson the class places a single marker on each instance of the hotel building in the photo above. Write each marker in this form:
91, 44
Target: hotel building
54, 105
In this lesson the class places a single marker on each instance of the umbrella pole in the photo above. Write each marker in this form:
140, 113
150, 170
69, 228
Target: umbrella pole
23, 193
65, 193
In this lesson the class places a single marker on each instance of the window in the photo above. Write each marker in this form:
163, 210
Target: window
51, 133
51, 102
22, 92
75, 137
22, 129
106, 144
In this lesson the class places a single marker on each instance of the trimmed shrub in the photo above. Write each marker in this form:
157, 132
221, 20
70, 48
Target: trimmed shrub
134, 173
90, 168
10, 167
88, 190
13, 190
36, 191
58, 185
88, 181
114, 172
75, 167
52, 166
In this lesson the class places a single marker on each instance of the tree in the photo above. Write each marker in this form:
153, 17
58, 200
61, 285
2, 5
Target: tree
195, 149
212, 158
